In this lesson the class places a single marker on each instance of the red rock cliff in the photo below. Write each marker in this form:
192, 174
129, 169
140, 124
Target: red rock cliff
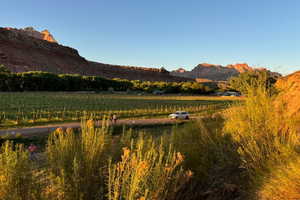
289, 96
26, 50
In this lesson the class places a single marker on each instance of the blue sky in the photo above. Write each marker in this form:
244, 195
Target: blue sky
169, 33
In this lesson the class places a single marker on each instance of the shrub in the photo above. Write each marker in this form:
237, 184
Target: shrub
76, 162
146, 171
242, 82
265, 136
16, 174
211, 155
282, 183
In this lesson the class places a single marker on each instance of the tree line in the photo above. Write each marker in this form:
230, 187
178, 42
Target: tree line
45, 81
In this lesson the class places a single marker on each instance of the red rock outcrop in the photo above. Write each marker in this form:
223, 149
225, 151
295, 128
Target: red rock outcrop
216, 72
289, 87
30, 31
24, 50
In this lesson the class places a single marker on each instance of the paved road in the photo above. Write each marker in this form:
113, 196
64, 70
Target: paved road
46, 129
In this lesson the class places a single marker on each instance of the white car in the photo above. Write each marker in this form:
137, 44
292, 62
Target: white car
180, 115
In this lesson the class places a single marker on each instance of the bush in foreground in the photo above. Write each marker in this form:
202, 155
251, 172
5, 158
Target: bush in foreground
266, 138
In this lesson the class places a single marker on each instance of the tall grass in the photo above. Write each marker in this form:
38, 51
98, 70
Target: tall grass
147, 171
282, 183
76, 161
266, 137
211, 155
16, 174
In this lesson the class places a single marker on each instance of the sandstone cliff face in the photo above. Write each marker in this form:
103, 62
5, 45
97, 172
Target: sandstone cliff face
24, 50
21, 52
289, 96
30, 31
208, 71
216, 72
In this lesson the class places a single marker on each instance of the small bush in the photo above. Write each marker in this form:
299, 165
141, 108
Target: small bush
16, 174
146, 171
76, 162
213, 158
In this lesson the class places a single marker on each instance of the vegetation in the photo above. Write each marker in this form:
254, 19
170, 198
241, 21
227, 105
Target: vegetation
22, 109
45, 81
171, 87
254, 78
250, 151
85, 166
267, 141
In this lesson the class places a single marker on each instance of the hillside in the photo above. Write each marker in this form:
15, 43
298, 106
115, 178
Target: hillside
216, 72
26, 49
290, 93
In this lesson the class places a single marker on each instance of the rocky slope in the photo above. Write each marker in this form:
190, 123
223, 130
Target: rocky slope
30, 31
29, 50
290, 93
215, 72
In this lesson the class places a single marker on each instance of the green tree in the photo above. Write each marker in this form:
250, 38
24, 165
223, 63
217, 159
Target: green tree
254, 78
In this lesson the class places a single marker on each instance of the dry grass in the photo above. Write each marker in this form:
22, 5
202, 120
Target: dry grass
147, 171
266, 137
16, 174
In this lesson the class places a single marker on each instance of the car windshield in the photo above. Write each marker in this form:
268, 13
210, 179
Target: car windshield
178, 113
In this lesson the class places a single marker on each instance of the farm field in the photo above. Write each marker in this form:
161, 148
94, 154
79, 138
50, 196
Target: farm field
234, 154
32, 108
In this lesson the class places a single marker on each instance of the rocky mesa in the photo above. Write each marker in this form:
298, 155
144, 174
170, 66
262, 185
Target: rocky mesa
30, 31
26, 49
216, 72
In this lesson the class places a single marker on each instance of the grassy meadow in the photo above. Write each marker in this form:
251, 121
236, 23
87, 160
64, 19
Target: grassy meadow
30, 108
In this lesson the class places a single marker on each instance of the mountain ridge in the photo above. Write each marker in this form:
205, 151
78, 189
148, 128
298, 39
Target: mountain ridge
217, 72
22, 52
27, 49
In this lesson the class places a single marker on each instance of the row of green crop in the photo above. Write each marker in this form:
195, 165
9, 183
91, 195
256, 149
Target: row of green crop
23, 117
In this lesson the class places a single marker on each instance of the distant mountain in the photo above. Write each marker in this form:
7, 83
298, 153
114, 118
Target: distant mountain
216, 72
26, 49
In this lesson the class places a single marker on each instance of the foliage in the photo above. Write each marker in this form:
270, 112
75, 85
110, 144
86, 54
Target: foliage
75, 162
19, 109
266, 137
282, 183
212, 157
171, 87
241, 83
16, 173
147, 171
45, 81
77, 168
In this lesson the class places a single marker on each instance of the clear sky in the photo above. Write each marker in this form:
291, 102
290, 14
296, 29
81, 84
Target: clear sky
169, 33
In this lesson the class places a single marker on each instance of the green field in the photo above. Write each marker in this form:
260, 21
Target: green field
29, 108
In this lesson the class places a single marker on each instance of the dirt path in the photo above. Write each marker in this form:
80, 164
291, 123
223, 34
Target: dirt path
46, 129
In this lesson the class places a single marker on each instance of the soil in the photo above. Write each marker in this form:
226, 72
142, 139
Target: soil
46, 129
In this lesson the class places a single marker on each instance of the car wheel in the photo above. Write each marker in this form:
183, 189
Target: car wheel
187, 117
